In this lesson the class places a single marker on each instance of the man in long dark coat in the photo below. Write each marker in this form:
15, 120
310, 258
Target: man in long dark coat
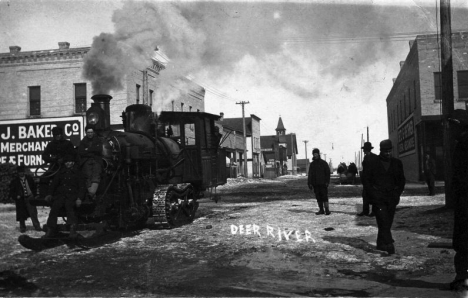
429, 173
90, 153
384, 181
318, 181
368, 155
67, 190
22, 189
459, 124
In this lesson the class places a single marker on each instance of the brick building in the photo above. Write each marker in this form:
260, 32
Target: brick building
45, 88
414, 105
49, 83
233, 133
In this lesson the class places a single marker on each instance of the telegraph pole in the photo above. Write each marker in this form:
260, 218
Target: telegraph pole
305, 143
245, 137
447, 95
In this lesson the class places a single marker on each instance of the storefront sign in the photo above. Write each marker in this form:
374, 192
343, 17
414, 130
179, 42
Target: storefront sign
24, 141
406, 138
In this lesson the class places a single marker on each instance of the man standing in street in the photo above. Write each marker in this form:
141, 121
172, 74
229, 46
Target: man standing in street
66, 190
459, 124
384, 181
22, 189
429, 173
318, 181
368, 155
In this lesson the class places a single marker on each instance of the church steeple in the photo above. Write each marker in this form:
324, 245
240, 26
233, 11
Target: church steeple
280, 130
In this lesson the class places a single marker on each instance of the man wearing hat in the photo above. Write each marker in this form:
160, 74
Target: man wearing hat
318, 181
66, 190
365, 199
384, 182
22, 189
459, 126
58, 147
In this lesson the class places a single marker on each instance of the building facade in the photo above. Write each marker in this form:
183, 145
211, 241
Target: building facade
234, 131
414, 104
49, 83
41, 88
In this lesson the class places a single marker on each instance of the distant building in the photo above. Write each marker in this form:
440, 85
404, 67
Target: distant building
233, 136
279, 152
414, 104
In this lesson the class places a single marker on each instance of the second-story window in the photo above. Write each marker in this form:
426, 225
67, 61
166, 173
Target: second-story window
462, 77
137, 93
438, 85
80, 98
35, 101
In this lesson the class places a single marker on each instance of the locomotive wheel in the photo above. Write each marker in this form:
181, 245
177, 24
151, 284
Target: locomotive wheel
180, 207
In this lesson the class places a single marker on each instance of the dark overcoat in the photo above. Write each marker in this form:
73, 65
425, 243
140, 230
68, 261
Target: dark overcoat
68, 184
383, 185
460, 191
319, 173
57, 149
16, 189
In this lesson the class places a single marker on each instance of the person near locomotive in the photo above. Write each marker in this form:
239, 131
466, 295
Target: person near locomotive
57, 148
459, 124
429, 173
318, 181
367, 148
67, 190
384, 181
22, 190
90, 154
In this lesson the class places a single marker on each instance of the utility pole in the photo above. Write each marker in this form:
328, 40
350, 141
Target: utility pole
245, 136
368, 133
305, 143
447, 95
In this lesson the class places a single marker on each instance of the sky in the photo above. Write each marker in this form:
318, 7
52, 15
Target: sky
325, 67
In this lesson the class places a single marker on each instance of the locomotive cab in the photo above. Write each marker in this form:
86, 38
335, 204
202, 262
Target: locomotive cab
198, 139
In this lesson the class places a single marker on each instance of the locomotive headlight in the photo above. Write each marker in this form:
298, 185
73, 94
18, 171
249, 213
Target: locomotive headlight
93, 118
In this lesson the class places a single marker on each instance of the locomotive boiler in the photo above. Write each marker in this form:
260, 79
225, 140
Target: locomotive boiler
155, 169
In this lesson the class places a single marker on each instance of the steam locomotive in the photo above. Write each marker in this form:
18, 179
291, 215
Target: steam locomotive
155, 170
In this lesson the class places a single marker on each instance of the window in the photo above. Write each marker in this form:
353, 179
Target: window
409, 101
151, 94
438, 85
462, 84
35, 101
137, 93
404, 106
398, 114
80, 98
189, 134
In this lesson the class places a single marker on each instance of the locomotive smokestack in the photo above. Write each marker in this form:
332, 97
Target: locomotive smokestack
103, 101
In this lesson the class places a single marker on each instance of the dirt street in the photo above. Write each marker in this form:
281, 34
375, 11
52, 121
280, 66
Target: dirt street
261, 239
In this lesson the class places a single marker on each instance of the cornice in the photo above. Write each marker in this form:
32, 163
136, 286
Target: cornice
72, 54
